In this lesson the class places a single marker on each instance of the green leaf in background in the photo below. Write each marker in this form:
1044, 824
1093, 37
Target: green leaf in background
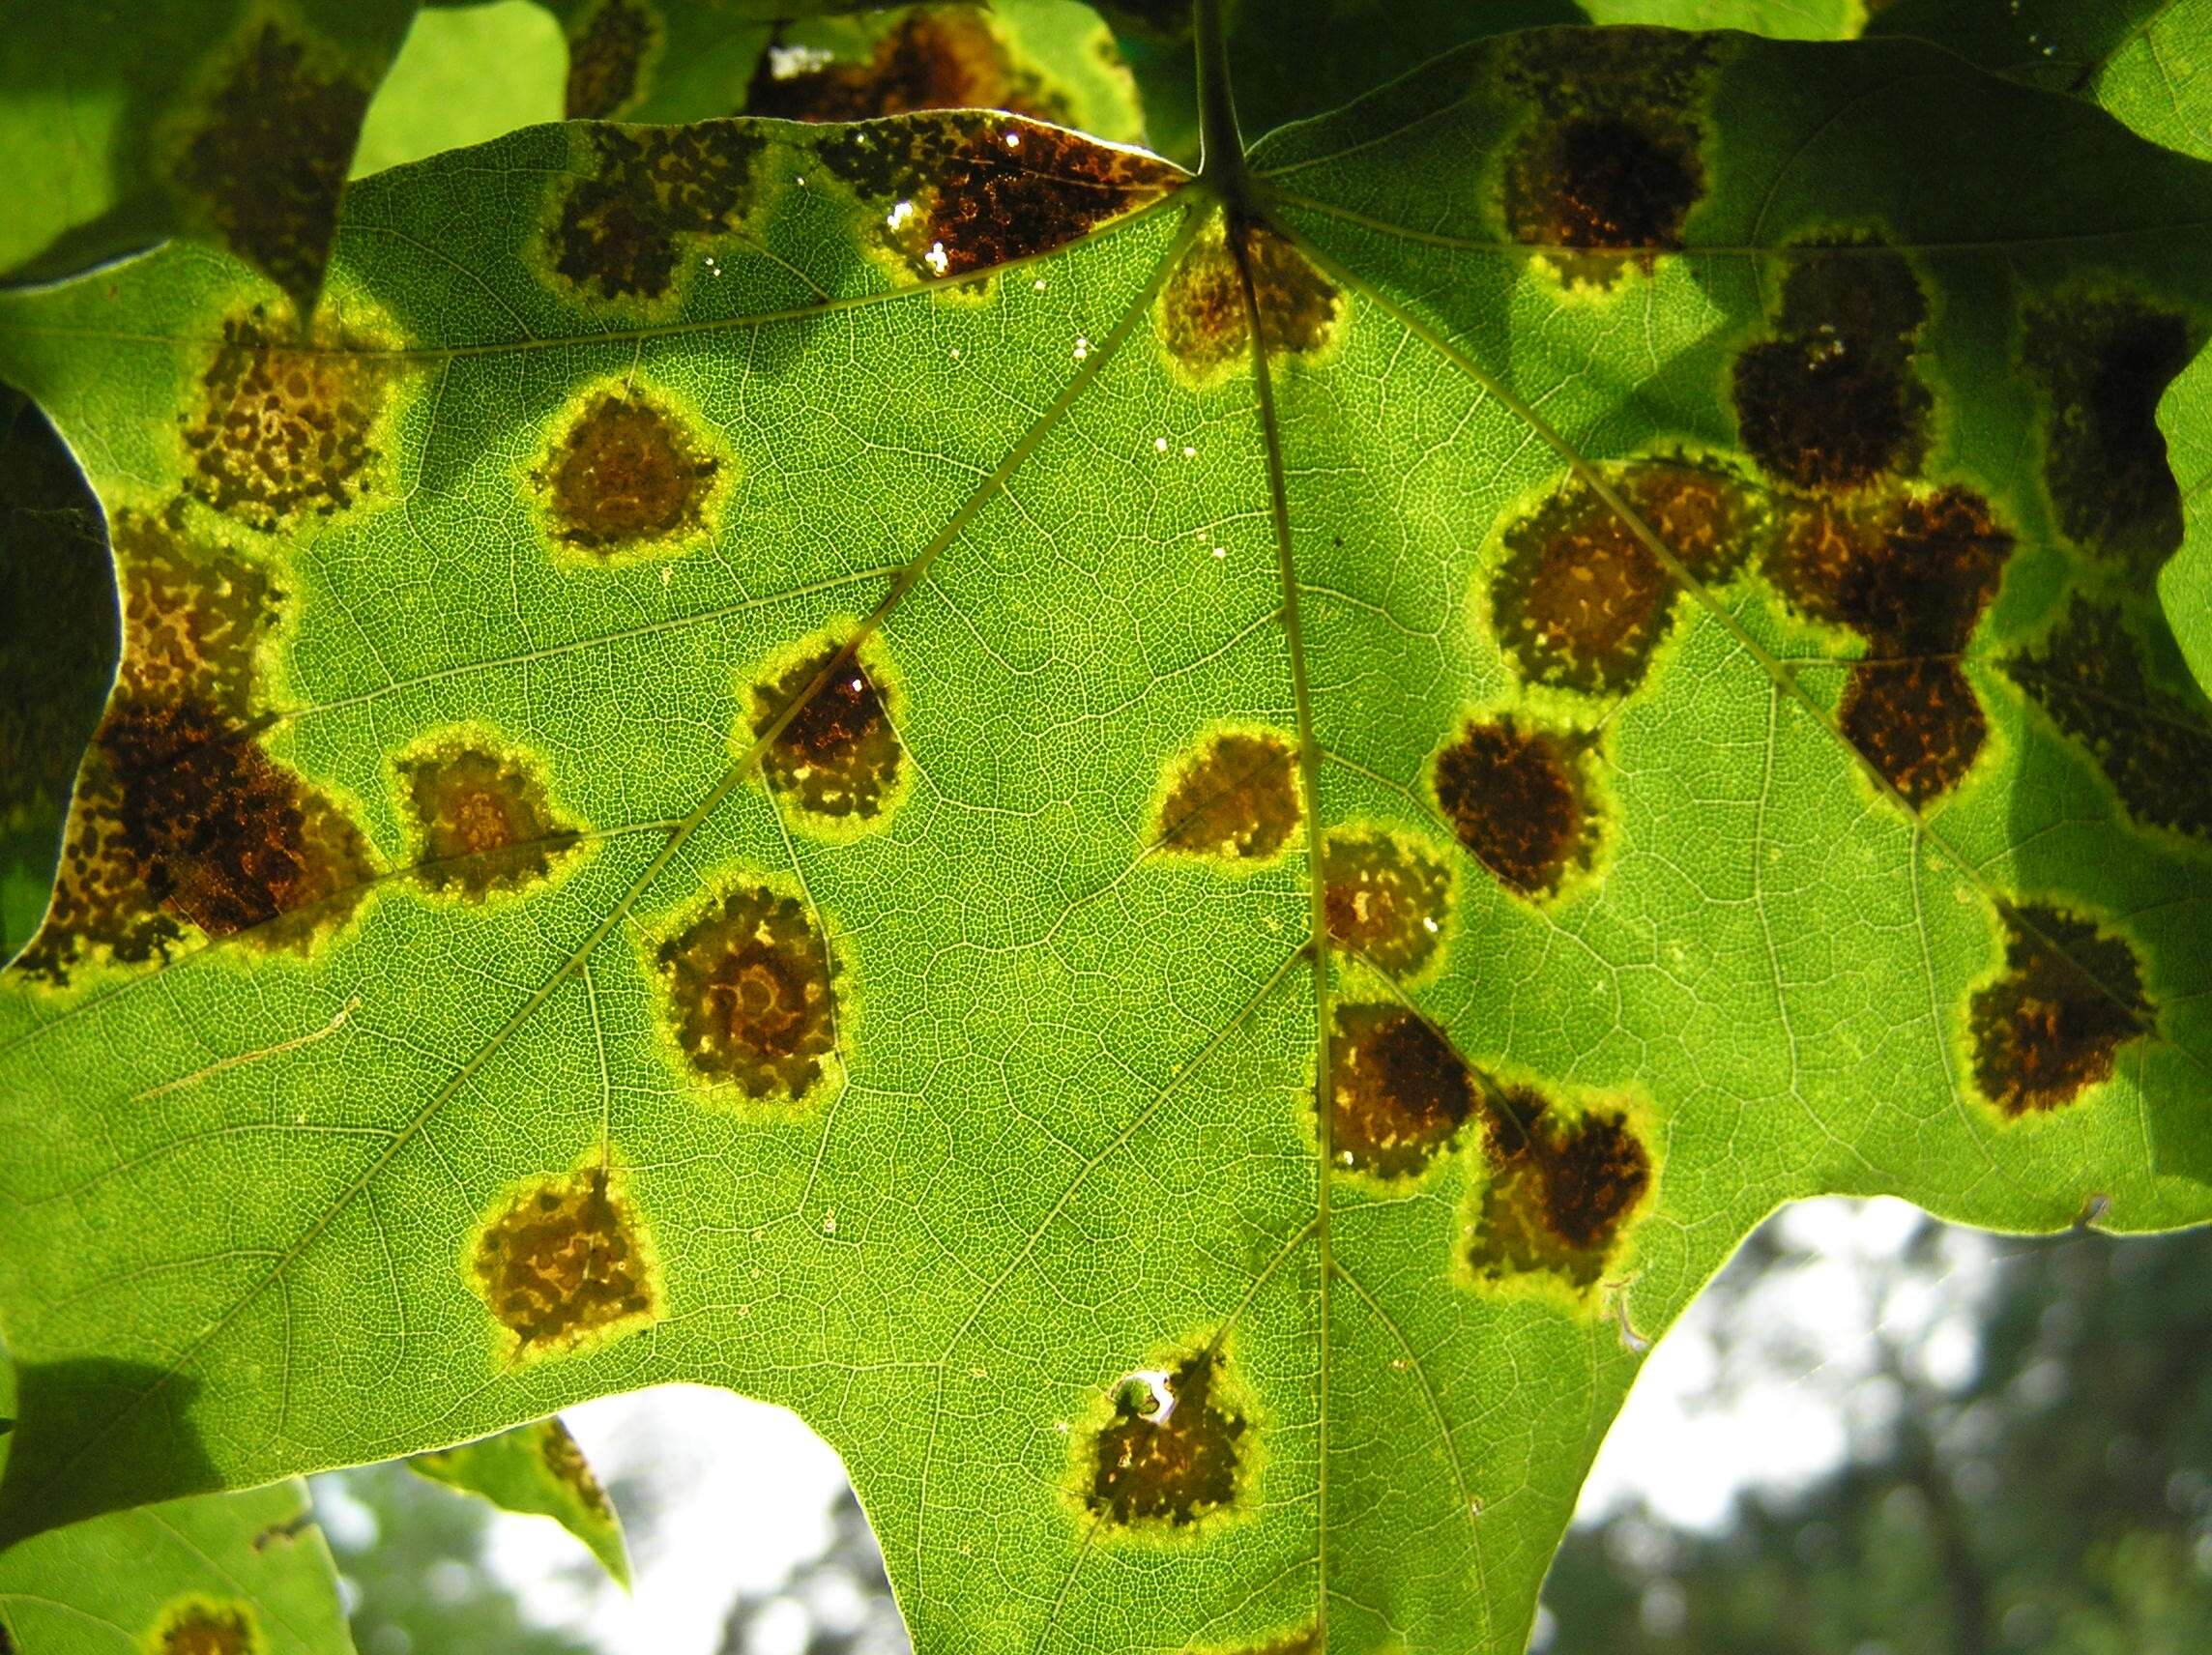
466, 75
1293, 59
57, 652
818, 779
2146, 61
537, 1470
238, 1574
1778, 19
231, 120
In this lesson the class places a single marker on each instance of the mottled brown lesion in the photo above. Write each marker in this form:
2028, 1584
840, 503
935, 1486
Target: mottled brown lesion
565, 1264
206, 1626
835, 752
285, 430
1386, 899
1399, 1092
1580, 602
609, 46
2052, 1025
2133, 708
1559, 1191
980, 189
1832, 399
1911, 571
1202, 316
750, 987
1521, 798
184, 822
1608, 168
1174, 1452
265, 155
645, 198
565, 1464
1233, 798
2102, 363
483, 818
932, 57
626, 474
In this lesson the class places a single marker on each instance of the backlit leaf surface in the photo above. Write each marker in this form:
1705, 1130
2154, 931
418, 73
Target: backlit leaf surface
774, 761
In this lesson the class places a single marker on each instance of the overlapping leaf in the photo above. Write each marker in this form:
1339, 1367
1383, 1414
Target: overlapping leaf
775, 760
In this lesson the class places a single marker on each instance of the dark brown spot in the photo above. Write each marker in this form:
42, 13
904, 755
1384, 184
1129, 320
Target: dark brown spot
1579, 601
935, 57
181, 816
1609, 165
2047, 1031
620, 231
1911, 574
482, 820
1832, 400
277, 1534
1911, 571
1398, 1092
2149, 730
284, 429
204, 1626
565, 1264
1170, 1454
1519, 799
750, 983
1918, 721
625, 473
606, 58
268, 158
569, 1468
838, 755
1386, 899
1236, 798
1558, 1190
1202, 315
2103, 363
982, 190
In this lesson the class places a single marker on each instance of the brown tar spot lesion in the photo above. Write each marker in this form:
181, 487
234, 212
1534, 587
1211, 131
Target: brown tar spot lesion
835, 756
2138, 714
957, 192
200, 1625
1231, 799
932, 57
627, 471
1175, 1450
1579, 601
183, 821
1911, 571
263, 154
750, 989
482, 816
2051, 1025
1522, 799
1831, 399
1399, 1092
1559, 1189
565, 1464
643, 199
2102, 363
609, 46
1386, 898
564, 1264
1201, 316
286, 428
1610, 162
